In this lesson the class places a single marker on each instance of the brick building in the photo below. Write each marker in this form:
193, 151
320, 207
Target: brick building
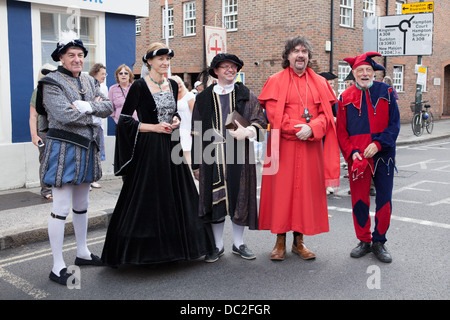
258, 29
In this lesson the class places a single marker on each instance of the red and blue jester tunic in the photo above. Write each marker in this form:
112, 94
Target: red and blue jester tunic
363, 117
366, 116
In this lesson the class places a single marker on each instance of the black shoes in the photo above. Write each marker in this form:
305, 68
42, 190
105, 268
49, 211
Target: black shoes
63, 277
378, 249
244, 252
381, 253
361, 250
214, 256
95, 261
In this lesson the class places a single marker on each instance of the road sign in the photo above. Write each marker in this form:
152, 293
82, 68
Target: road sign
406, 35
422, 76
418, 7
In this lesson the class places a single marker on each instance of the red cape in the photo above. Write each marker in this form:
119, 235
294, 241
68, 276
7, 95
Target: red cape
275, 88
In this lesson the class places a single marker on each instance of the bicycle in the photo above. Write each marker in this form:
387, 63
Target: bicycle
422, 118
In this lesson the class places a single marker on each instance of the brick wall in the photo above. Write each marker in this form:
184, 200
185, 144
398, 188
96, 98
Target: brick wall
265, 25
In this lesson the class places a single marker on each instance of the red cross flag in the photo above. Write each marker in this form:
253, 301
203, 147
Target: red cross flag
215, 42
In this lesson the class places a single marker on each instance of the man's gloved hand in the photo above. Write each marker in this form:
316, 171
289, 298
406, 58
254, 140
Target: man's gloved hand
83, 106
97, 121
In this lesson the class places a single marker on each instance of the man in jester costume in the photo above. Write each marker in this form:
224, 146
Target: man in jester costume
368, 123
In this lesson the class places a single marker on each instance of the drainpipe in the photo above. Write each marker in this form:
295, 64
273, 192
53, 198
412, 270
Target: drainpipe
204, 41
331, 35
385, 58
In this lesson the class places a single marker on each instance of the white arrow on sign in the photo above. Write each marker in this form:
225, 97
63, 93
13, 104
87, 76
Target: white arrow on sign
409, 35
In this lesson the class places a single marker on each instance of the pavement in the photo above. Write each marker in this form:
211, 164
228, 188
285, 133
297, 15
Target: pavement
24, 213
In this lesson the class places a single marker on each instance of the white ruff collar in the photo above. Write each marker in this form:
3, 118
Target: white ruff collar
219, 89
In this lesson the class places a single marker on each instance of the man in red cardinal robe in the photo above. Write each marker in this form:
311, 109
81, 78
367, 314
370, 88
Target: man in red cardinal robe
300, 163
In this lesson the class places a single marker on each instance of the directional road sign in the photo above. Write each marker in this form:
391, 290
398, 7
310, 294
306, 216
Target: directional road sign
406, 35
418, 7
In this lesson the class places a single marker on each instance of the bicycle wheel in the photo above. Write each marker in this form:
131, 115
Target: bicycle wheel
416, 124
429, 123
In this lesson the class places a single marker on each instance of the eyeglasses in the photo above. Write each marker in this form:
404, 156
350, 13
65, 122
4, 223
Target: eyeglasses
227, 67
123, 73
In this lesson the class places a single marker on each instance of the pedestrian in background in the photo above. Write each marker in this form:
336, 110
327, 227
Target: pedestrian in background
388, 81
118, 91
98, 72
185, 105
38, 130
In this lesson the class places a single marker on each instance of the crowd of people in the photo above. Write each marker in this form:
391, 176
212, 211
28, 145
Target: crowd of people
167, 137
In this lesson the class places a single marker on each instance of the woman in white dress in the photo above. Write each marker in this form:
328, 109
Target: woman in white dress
185, 106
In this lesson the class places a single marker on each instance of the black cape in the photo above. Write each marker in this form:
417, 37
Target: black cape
238, 178
155, 219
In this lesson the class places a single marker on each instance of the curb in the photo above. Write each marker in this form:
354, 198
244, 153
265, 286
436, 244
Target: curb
428, 139
97, 220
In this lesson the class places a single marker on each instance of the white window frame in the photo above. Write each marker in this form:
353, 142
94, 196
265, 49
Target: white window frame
369, 8
346, 13
189, 18
343, 71
398, 6
5, 86
230, 14
398, 77
170, 21
138, 26
100, 35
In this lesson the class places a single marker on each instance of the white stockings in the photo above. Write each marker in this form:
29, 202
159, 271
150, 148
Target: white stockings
64, 198
238, 234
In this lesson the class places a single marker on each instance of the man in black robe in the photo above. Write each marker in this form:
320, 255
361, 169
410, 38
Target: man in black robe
223, 159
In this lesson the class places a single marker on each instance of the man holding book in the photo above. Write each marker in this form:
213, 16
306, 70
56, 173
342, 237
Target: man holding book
223, 159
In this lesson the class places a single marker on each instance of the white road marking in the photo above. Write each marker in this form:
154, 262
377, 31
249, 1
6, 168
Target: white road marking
393, 217
23, 284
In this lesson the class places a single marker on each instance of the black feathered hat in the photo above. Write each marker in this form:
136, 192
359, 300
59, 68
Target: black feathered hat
67, 39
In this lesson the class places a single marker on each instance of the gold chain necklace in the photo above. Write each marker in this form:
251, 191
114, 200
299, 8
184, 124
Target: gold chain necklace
306, 113
81, 91
298, 92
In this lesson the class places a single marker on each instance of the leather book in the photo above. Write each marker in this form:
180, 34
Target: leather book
230, 124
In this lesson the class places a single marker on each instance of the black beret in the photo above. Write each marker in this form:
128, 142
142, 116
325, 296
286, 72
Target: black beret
221, 57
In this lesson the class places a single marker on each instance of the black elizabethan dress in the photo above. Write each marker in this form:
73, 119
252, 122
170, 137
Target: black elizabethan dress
155, 219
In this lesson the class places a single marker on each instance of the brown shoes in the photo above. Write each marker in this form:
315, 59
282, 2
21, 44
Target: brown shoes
299, 248
279, 250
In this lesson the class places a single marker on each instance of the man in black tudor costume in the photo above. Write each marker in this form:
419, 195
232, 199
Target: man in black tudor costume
223, 160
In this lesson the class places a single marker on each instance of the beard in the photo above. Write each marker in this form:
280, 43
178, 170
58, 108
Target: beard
300, 65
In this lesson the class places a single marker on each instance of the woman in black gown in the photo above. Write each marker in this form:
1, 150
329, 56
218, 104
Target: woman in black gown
155, 219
